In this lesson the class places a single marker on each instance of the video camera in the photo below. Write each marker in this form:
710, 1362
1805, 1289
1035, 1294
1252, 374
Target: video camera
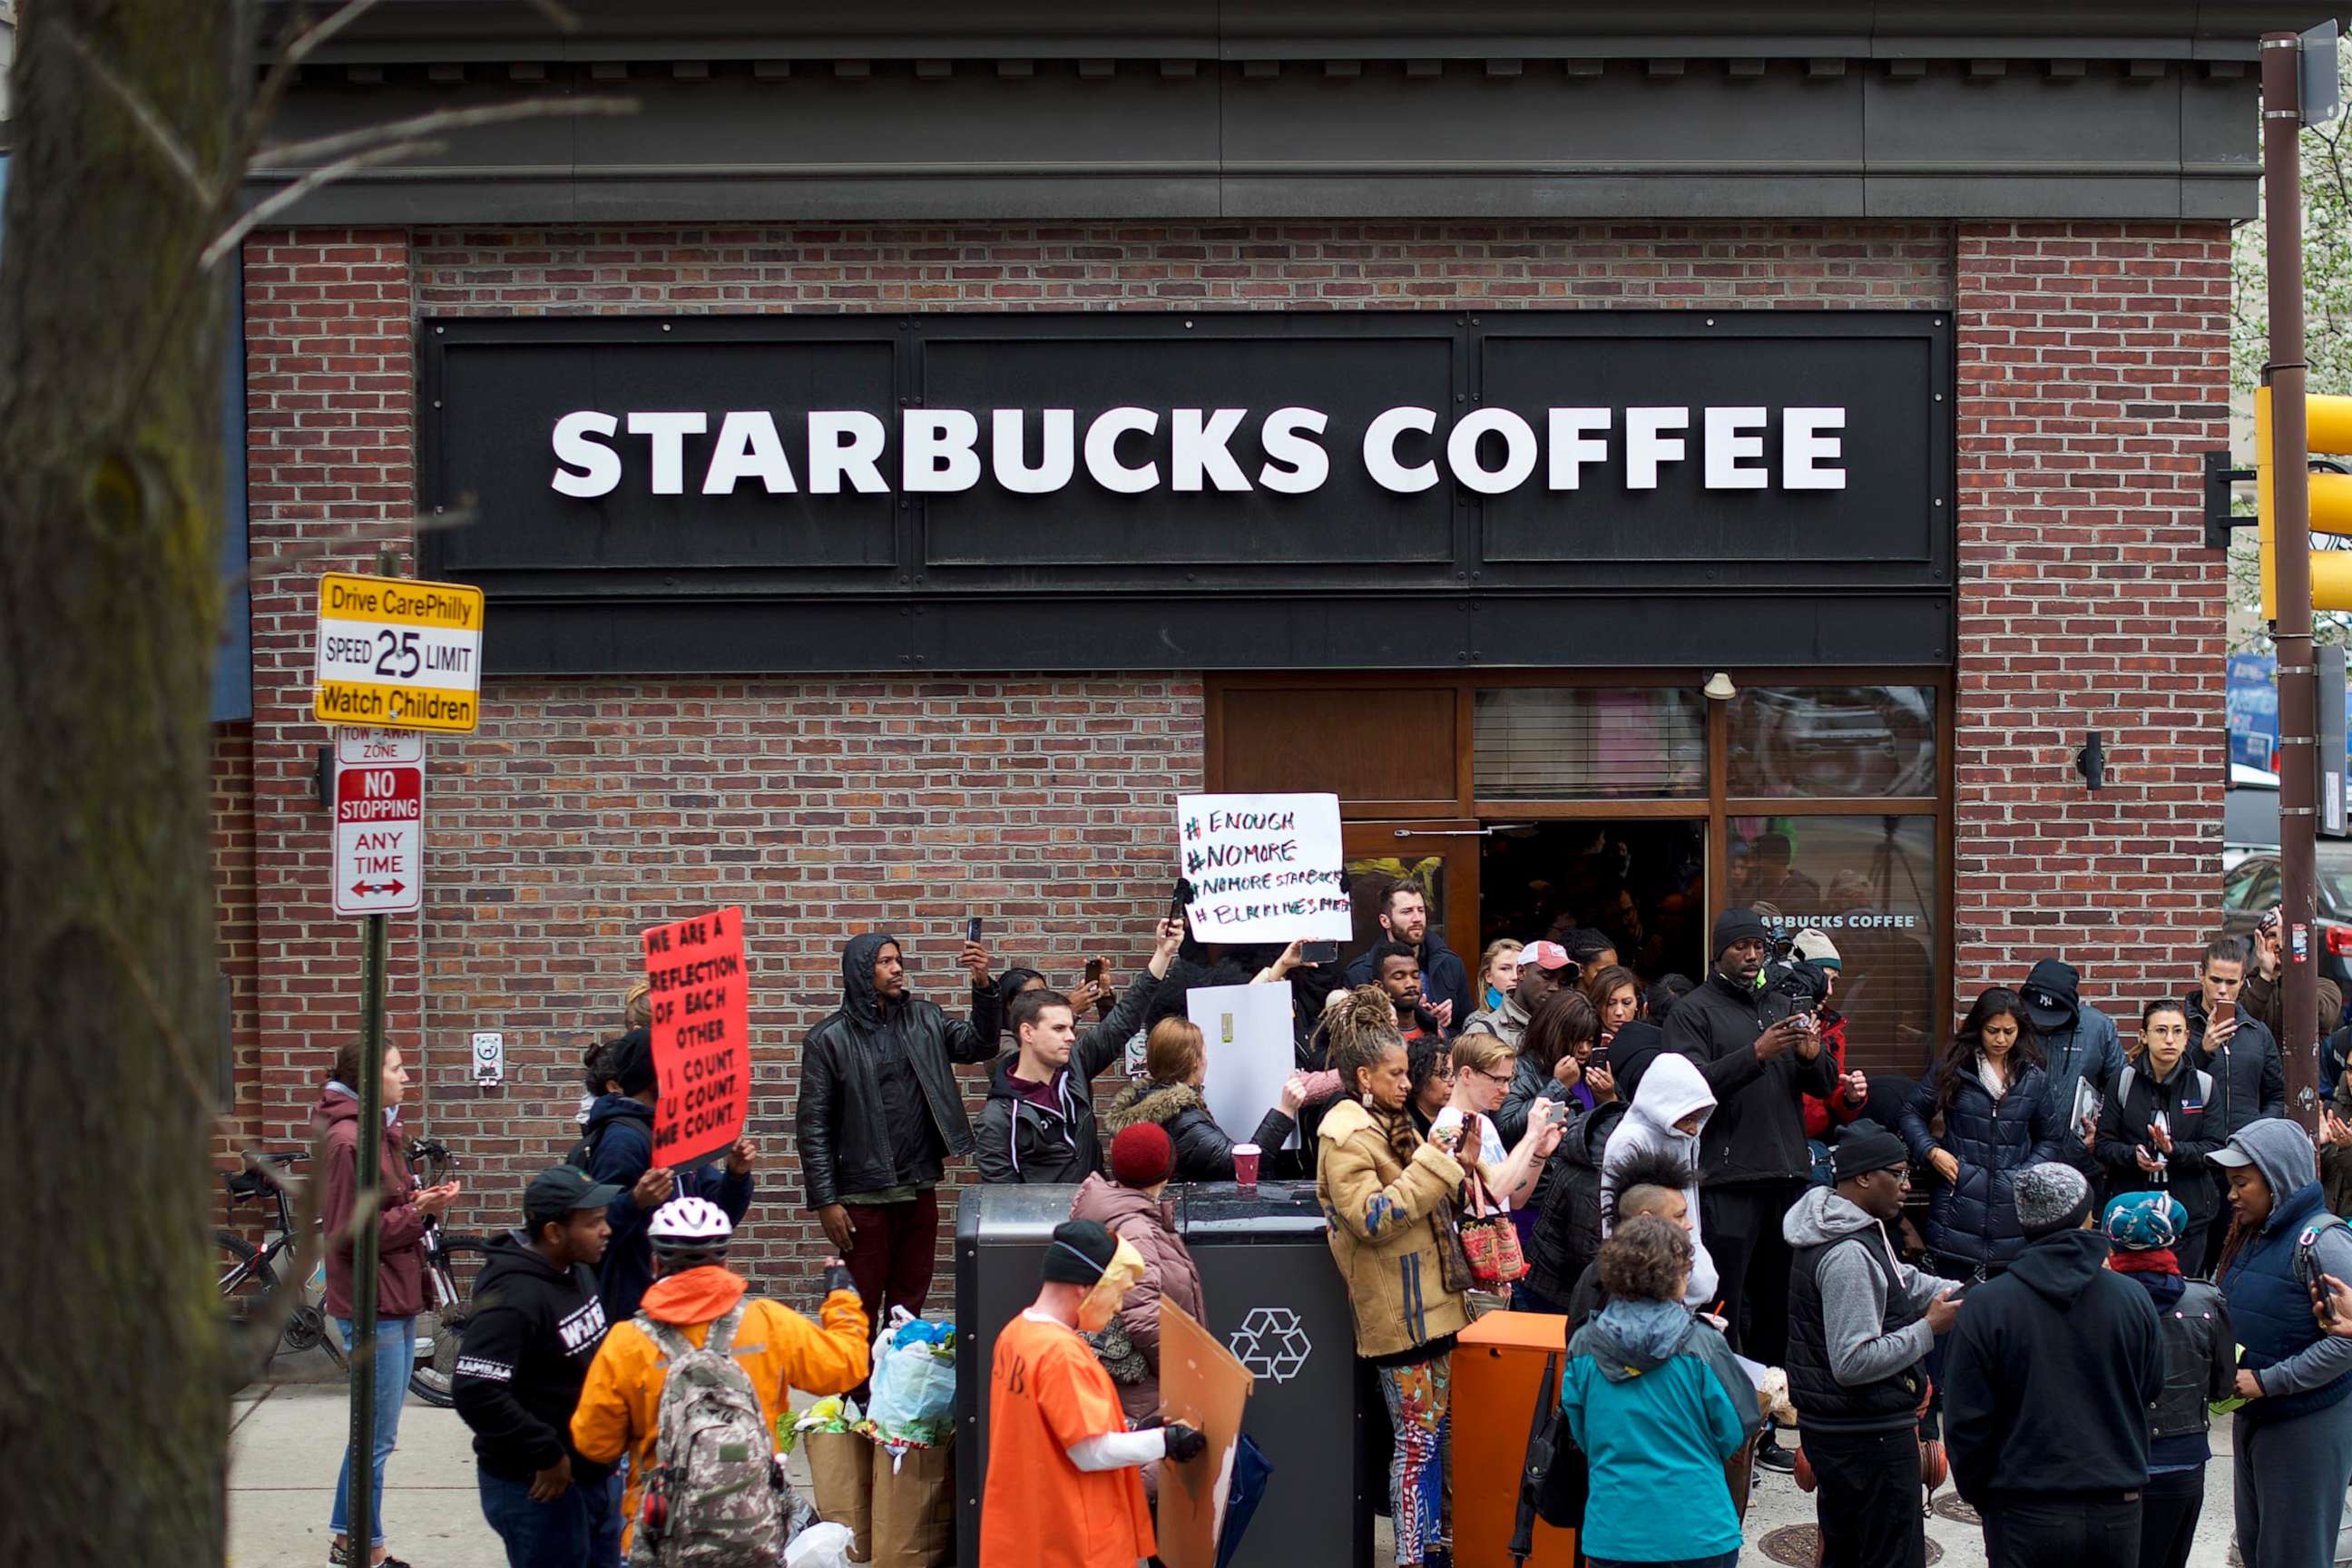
1805, 983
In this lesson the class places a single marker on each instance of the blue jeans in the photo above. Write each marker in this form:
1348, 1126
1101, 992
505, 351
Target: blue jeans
582, 1528
395, 1351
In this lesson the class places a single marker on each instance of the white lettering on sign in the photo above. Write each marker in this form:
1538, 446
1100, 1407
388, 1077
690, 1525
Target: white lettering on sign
1490, 450
379, 838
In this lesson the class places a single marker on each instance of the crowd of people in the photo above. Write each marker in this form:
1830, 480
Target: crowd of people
2120, 1236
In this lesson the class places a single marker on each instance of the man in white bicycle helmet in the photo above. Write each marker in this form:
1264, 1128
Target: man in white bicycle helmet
777, 1348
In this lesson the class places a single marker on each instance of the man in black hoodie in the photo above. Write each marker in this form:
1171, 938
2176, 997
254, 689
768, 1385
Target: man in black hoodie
2048, 1381
881, 1113
536, 1324
618, 1151
1754, 1157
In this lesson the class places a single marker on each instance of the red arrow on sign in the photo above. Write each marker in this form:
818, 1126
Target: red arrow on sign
366, 888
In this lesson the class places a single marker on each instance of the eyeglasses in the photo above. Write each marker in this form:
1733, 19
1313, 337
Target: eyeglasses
1489, 1076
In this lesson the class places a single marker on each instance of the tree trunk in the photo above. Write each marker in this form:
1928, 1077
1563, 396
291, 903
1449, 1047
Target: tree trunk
112, 1354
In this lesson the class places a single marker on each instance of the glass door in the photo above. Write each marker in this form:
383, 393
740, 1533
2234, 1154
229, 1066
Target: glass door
1443, 856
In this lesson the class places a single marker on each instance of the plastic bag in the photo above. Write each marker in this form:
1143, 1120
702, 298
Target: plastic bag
914, 1383
819, 1546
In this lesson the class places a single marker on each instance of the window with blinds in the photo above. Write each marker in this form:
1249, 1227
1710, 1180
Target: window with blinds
1577, 743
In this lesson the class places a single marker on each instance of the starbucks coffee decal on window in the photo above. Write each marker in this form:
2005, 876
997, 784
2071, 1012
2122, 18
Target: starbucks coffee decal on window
1133, 450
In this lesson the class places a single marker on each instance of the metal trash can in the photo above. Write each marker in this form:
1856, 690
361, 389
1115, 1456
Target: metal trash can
1274, 1297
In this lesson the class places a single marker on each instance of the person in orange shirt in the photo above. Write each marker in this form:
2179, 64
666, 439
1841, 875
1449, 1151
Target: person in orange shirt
1065, 1474
778, 1348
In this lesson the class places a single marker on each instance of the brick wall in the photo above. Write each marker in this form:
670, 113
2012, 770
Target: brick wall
233, 929
2094, 365
965, 267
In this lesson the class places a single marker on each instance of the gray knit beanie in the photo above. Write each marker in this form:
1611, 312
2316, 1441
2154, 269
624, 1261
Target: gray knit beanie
2051, 1198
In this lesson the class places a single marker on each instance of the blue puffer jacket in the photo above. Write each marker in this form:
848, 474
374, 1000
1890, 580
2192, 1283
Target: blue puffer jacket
1974, 1219
2302, 1370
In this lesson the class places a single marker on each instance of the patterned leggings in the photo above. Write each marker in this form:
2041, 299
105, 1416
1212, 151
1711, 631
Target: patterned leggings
1420, 1399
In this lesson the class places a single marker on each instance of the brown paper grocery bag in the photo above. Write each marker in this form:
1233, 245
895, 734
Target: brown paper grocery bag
841, 1465
914, 1508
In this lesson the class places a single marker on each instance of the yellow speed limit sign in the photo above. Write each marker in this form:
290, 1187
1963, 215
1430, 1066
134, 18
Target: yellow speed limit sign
398, 654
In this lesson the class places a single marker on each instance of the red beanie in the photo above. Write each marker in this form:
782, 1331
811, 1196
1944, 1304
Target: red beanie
1141, 1157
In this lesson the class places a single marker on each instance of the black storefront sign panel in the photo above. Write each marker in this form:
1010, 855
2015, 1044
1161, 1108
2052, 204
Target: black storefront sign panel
1279, 489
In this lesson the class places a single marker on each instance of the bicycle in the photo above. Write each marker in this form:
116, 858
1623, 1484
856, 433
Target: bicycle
452, 1264
249, 1274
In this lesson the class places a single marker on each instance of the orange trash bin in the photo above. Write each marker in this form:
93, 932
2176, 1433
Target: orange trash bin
1498, 1364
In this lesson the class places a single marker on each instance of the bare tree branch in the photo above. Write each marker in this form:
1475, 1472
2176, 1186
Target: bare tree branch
142, 114
297, 154
261, 212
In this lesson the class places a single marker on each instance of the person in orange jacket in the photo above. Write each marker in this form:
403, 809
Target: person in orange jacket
779, 1348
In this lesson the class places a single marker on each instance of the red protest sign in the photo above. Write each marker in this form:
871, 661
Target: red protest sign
702, 1035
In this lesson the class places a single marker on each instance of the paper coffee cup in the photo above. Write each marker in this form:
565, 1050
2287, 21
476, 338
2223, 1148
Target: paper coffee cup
1246, 1164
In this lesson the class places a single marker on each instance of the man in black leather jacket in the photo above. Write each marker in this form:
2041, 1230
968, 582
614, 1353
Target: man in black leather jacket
881, 1113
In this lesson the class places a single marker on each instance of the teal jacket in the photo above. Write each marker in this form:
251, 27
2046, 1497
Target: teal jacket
1657, 1403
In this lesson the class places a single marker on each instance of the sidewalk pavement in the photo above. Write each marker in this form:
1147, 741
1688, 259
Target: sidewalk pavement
286, 1448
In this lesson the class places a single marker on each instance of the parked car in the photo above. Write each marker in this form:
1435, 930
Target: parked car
2250, 888
2249, 814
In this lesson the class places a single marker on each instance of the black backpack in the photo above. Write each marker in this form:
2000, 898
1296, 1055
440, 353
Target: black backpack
1557, 1479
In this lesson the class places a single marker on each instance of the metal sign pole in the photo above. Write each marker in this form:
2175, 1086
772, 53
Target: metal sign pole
366, 1198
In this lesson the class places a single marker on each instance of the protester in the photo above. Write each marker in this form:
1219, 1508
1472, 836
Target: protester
1038, 1125
2335, 1142
1551, 1062
2146, 1229
596, 1063
2079, 1046
1989, 1090
1761, 1065
1656, 1181
2249, 1075
1176, 1063
1404, 918
1499, 1011
695, 1303
1861, 1323
1615, 992
1824, 1113
1128, 1204
1388, 1196
1669, 1112
2291, 1442
2160, 1125
638, 1007
1397, 972
536, 1325
1566, 1235
619, 1153
2048, 1379
1544, 967
2264, 995
402, 1210
1063, 1488
1501, 1184
1429, 1074
1593, 951
880, 1114
1656, 1401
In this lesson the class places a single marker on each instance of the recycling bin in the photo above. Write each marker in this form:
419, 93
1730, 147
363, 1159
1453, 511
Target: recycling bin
1274, 1298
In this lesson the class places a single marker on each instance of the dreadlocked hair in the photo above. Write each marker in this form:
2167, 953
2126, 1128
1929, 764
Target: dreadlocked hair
1361, 1030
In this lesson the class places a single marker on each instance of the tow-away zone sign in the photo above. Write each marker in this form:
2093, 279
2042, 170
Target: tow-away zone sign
380, 838
399, 655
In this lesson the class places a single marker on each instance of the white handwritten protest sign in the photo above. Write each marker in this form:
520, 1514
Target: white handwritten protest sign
1263, 868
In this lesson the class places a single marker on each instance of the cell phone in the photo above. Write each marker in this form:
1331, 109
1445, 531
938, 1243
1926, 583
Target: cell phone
1180, 897
971, 929
1094, 971
1318, 952
2222, 1013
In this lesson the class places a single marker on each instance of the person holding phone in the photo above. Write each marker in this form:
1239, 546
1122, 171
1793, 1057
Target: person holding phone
2249, 1074
2158, 1125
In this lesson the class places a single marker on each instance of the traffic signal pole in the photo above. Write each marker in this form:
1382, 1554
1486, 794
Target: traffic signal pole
2297, 677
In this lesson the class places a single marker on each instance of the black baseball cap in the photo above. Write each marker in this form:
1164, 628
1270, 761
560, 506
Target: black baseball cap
561, 1190
2051, 994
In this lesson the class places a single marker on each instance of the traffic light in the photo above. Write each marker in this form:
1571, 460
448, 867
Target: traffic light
2328, 426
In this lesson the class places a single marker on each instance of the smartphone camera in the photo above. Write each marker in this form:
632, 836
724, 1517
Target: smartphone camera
1318, 952
971, 929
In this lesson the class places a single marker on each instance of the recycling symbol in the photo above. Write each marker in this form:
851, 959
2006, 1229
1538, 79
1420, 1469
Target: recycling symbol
1271, 1343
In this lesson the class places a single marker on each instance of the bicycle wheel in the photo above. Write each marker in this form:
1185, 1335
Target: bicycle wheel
246, 1276
449, 1282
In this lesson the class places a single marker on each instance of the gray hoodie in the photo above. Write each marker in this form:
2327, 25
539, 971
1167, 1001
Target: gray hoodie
2282, 1152
1854, 1293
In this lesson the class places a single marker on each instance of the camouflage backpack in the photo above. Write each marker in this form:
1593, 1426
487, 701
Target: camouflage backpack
715, 1498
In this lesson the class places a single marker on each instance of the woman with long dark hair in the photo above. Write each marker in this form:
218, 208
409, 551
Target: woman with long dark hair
1986, 1096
